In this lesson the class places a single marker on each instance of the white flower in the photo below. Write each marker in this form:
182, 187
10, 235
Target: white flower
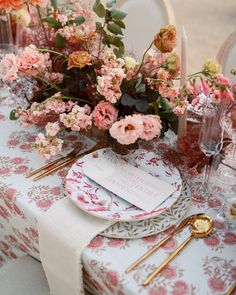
130, 63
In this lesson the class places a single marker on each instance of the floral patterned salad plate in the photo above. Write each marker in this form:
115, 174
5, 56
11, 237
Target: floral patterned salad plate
145, 228
96, 200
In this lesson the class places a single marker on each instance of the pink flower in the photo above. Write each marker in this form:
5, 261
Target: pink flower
223, 80
113, 277
230, 238
17, 160
104, 115
79, 118
170, 245
179, 110
97, 242
180, 288
56, 78
216, 284
227, 96
56, 191
169, 272
116, 243
9, 67
151, 239
157, 291
32, 62
151, 127
212, 241
195, 101
233, 87
48, 148
127, 130
4, 171
21, 169
52, 129
205, 87
44, 204
216, 97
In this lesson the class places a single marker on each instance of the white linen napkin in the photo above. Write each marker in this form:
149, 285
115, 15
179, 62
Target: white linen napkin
64, 231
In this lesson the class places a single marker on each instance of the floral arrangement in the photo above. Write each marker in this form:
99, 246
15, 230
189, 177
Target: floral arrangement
85, 79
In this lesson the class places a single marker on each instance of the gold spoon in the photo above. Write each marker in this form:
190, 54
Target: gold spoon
179, 228
201, 227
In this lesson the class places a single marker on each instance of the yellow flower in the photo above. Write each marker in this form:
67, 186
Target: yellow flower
79, 59
211, 66
173, 64
130, 63
165, 40
22, 16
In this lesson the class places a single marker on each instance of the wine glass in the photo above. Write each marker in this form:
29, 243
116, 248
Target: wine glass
210, 142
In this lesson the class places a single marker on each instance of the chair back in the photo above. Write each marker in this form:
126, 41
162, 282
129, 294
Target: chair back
227, 56
144, 20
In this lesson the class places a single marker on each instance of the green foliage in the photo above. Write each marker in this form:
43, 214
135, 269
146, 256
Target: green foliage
118, 14
13, 114
114, 28
78, 21
60, 41
110, 3
52, 22
54, 4
99, 9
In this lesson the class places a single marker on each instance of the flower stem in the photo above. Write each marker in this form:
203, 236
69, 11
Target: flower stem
52, 51
43, 27
143, 58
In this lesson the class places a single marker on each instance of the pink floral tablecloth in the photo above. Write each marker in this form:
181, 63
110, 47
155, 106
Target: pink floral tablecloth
207, 266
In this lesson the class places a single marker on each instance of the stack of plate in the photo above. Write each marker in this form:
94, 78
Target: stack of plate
131, 221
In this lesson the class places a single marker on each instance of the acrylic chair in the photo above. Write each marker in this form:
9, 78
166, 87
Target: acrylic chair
144, 19
227, 56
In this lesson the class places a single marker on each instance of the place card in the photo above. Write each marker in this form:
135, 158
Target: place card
128, 182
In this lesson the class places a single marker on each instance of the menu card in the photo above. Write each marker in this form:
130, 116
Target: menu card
128, 182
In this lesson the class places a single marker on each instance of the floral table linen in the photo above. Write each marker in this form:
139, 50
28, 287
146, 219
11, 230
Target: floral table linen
207, 266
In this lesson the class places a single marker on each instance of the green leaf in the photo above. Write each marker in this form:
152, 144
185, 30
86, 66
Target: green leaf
120, 23
118, 14
99, 9
114, 28
165, 104
78, 21
98, 26
119, 52
140, 88
60, 41
13, 115
110, 3
54, 4
53, 22
113, 40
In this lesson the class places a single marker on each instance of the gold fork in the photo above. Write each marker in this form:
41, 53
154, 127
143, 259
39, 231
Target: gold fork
231, 290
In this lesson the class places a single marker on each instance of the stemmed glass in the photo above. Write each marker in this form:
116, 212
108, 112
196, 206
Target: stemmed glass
210, 142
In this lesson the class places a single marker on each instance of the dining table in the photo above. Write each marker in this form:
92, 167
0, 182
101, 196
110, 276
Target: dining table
206, 266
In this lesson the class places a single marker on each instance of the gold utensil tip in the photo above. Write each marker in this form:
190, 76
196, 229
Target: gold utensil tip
201, 227
231, 290
179, 228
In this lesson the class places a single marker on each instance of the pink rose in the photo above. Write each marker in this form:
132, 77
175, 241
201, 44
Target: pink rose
170, 245
9, 68
216, 284
116, 243
4, 171
56, 191
151, 239
113, 277
127, 130
151, 127
17, 160
32, 62
104, 115
169, 272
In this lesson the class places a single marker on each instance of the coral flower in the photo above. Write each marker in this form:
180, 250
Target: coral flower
165, 40
79, 59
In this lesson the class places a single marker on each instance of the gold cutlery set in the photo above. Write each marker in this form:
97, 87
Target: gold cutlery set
69, 159
200, 226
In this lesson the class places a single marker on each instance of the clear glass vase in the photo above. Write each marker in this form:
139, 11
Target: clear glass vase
6, 40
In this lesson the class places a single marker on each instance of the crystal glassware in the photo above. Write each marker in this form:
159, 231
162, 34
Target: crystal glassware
210, 143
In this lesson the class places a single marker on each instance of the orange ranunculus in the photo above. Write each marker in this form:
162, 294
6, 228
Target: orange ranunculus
79, 59
165, 40
15, 4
